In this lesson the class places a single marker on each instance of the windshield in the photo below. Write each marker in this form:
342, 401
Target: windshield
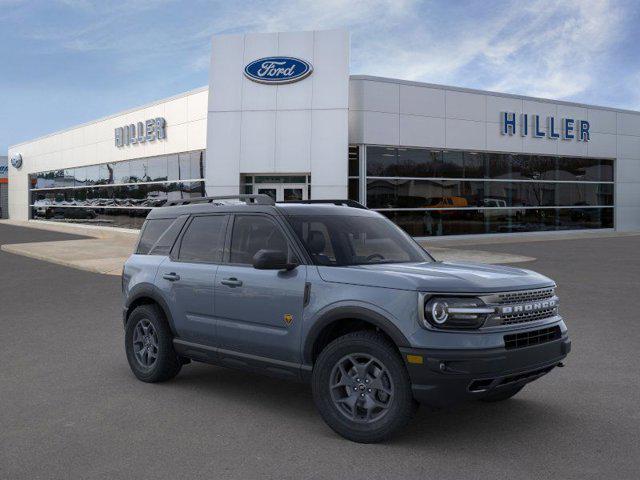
340, 240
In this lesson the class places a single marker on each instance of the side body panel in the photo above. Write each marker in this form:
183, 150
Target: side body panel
263, 316
138, 276
190, 299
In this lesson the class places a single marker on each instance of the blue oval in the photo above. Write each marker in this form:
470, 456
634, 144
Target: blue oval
278, 70
16, 160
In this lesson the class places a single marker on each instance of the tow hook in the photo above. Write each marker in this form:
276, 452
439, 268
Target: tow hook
560, 365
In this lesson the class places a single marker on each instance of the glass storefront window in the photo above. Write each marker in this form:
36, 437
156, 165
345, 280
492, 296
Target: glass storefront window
444, 193
354, 189
447, 192
121, 172
116, 193
139, 170
354, 161
430, 223
158, 171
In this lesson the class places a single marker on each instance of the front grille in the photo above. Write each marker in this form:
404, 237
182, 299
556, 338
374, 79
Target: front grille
525, 296
522, 306
535, 337
514, 318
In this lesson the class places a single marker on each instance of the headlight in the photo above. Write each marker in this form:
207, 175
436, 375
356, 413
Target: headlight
454, 312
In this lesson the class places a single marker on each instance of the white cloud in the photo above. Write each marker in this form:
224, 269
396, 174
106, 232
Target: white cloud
540, 48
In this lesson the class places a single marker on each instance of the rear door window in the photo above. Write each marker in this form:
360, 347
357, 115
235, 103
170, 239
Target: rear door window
151, 232
203, 241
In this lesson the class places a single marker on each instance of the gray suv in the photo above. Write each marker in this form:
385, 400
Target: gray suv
336, 295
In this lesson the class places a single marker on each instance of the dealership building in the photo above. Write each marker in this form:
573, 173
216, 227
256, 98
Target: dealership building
283, 116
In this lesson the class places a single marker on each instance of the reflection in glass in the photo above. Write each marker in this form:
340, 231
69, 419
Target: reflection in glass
158, 169
421, 162
354, 161
121, 172
443, 193
139, 170
354, 189
81, 194
92, 175
435, 223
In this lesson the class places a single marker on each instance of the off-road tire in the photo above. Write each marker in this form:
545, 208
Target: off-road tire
167, 364
401, 407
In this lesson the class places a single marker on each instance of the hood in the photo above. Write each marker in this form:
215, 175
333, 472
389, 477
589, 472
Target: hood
454, 277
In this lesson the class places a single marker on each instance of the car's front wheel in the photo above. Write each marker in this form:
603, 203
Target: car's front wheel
362, 388
149, 345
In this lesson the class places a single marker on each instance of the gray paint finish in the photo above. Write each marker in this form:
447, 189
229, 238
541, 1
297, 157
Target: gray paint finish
233, 310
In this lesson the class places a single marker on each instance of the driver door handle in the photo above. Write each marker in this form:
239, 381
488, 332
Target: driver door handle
231, 282
172, 277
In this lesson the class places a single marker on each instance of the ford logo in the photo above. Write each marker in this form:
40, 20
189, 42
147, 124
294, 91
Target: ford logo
277, 70
16, 160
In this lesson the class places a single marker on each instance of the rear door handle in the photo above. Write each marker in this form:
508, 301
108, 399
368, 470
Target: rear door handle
172, 277
231, 282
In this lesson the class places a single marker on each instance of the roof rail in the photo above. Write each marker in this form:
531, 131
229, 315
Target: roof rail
258, 199
339, 202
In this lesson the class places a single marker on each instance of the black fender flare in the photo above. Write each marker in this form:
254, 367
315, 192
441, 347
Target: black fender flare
351, 312
147, 290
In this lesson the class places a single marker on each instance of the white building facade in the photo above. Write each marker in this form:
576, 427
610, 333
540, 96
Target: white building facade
282, 116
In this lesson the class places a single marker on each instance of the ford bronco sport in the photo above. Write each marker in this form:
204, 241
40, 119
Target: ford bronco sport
336, 295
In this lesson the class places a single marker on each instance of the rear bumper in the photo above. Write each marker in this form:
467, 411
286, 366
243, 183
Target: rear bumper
449, 376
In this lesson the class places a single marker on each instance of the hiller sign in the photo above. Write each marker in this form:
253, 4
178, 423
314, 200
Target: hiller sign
525, 124
147, 131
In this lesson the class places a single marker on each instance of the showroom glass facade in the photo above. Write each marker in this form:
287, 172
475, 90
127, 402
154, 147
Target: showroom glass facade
443, 192
118, 194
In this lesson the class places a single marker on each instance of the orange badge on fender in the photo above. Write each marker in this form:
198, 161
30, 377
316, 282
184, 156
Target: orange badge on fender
288, 318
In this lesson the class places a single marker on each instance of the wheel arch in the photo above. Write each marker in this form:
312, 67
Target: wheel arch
332, 322
147, 294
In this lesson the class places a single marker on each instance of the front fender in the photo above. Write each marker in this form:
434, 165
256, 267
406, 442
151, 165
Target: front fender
367, 313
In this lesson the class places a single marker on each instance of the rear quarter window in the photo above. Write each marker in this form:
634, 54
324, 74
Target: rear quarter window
151, 232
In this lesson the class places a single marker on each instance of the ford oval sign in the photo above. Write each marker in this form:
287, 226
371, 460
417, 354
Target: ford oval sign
278, 70
16, 160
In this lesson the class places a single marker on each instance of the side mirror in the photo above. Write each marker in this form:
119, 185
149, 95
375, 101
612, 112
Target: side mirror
272, 260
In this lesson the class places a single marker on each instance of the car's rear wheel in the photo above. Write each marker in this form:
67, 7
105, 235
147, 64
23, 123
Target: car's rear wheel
149, 345
502, 394
361, 387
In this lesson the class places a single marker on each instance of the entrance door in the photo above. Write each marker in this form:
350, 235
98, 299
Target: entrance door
283, 192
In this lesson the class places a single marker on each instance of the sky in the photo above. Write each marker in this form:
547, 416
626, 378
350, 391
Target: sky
66, 62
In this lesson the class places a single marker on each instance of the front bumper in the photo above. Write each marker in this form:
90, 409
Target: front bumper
448, 376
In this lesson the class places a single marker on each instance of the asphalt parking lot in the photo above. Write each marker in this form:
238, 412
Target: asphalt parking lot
70, 408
